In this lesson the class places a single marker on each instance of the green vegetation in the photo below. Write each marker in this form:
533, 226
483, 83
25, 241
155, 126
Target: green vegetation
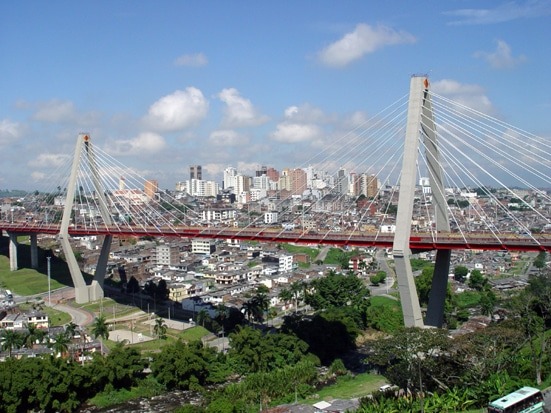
262, 369
25, 281
299, 249
385, 314
147, 388
348, 387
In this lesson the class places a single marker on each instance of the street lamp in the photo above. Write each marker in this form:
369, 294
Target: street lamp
49, 283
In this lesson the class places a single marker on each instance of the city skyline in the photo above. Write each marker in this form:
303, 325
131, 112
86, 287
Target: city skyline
247, 84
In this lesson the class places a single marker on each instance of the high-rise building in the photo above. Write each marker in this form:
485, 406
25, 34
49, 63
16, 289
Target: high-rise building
273, 174
369, 185
151, 187
298, 181
230, 174
195, 172
341, 181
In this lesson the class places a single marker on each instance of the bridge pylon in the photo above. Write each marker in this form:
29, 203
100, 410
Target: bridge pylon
85, 293
420, 123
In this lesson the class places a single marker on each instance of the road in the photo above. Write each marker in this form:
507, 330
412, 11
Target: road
390, 275
55, 300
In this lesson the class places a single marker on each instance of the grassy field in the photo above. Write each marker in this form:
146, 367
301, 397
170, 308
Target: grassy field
25, 281
297, 249
349, 387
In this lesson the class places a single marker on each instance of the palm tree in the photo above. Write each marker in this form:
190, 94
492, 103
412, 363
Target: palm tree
61, 343
297, 291
160, 328
71, 329
33, 335
11, 339
248, 309
100, 329
261, 302
202, 316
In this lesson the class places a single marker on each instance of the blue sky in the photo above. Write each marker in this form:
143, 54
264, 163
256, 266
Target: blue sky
162, 85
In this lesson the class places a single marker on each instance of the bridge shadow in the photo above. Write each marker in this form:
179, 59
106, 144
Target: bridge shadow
59, 271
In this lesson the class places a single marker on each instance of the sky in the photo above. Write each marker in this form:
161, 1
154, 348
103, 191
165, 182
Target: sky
167, 84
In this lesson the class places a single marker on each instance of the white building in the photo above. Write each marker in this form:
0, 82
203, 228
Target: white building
230, 174
219, 215
202, 246
167, 255
271, 218
285, 263
198, 187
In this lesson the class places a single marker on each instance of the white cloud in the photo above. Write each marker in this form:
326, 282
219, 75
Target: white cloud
470, 95
144, 144
55, 111
179, 110
507, 11
227, 138
50, 160
304, 114
9, 132
289, 132
192, 60
502, 58
38, 176
239, 111
363, 40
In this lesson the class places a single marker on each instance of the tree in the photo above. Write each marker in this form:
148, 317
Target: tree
61, 343
413, 358
184, 366
378, 278
133, 286
71, 329
100, 329
11, 339
488, 302
161, 292
477, 281
286, 296
160, 328
423, 283
460, 273
202, 316
33, 335
337, 290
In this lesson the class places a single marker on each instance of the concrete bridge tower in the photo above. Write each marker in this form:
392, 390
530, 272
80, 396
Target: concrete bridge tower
420, 124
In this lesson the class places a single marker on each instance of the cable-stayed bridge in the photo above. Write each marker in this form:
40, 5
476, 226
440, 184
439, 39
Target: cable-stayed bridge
427, 173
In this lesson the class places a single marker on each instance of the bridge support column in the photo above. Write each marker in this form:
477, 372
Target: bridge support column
85, 293
438, 291
13, 252
101, 266
34, 251
401, 251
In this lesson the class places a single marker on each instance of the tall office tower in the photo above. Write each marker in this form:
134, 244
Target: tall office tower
273, 174
229, 177
341, 181
354, 184
195, 172
151, 187
298, 181
369, 185
242, 184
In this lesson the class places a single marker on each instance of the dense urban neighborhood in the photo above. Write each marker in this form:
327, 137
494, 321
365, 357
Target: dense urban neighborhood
237, 324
